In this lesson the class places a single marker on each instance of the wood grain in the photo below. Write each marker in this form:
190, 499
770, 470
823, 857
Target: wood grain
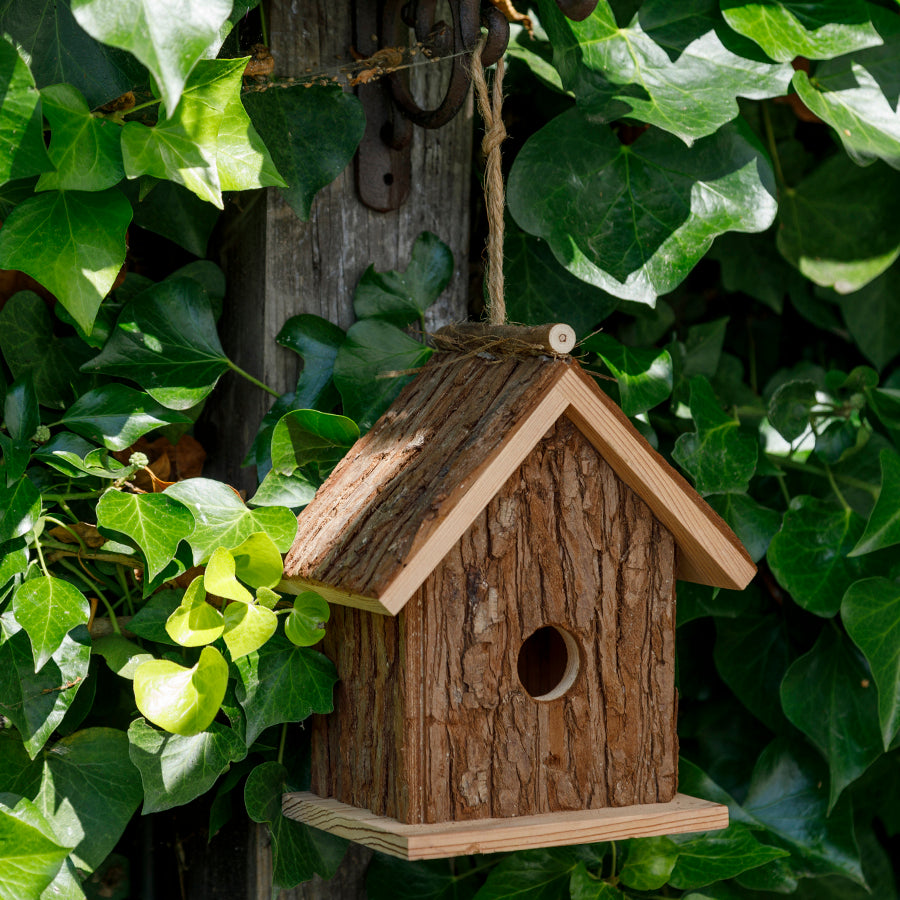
680, 815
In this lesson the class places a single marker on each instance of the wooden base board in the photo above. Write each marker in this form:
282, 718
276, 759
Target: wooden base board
395, 838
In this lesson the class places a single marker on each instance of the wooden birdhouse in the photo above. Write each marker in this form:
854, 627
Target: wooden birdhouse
501, 550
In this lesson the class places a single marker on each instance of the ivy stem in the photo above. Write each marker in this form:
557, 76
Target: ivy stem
784, 491
773, 147
62, 498
251, 379
613, 878
123, 581
37, 546
848, 480
70, 531
281, 743
93, 589
146, 105
835, 488
263, 25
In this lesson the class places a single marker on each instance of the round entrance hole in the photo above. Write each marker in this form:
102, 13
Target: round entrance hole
548, 663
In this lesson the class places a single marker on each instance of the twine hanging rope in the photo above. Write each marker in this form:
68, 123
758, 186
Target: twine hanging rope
490, 105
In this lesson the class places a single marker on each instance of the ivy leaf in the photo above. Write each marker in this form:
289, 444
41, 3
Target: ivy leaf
298, 851
755, 525
389, 877
222, 520
181, 700
21, 417
790, 407
75, 457
48, 609
121, 655
690, 91
20, 507
195, 622
826, 694
219, 577
311, 132
649, 863
150, 620
883, 526
72, 242
247, 628
305, 624
870, 315
316, 341
573, 179
167, 36
808, 556
174, 212
644, 377
293, 491
242, 159
89, 792
539, 289
258, 562
30, 853
282, 683
156, 523
536, 874
841, 245
85, 149
176, 769
718, 456
22, 151
585, 886
116, 415
305, 436
856, 94
37, 702
402, 297
166, 340
786, 29
871, 614
788, 795
366, 361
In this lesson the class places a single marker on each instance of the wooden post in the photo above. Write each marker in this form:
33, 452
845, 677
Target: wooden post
277, 267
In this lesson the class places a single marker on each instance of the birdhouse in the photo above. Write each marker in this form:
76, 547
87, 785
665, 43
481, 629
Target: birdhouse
501, 552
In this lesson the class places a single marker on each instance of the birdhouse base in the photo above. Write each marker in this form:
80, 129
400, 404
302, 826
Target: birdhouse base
396, 838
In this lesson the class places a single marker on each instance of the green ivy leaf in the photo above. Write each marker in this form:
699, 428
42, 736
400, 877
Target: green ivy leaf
845, 245
174, 212
258, 562
365, 362
156, 523
181, 700
694, 781
883, 527
168, 36
89, 792
790, 406
22, 151
305, 624
573, 178
755, 525
150, 620
786, 29
48, 609
247, 628
649, 863
311, 132
72, 242
644, 377
539, 289
219, 577
870, 314
166, 340
37, 702
536, 874
116, 415
826, 694
718, 456
871, 614
305, 436
316, 341
20, 507
176, 769
282, 683
401, 298
389, 878
293, 491
688, 86
298, 851
75, 457
85, 149
195, 622
122, 656
30, 853
242, 159
21, 418
585, 886
808, 556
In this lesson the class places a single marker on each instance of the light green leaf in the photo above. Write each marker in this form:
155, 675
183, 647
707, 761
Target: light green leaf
48, 609
20, 507
311, 132
156, 523
166, 340
22, 151
718, 456
282, 683
183, 701
305, 436
72, 242
121, 655
116, 415
219, 577
167, 36
242, 159
247, 628
573, 179
84, 148
222, 520
820, 29
644, 377
305, 624
258, 562
195, 622
883, 526
30, 853
649, 863
871, 614
826, 693
176, 769
292, 491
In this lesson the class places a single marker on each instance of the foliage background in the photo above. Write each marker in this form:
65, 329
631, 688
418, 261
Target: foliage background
713, 184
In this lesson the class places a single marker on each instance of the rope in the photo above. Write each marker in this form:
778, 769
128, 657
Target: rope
490, 108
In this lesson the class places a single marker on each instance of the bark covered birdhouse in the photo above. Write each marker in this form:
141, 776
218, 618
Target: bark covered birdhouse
501, 550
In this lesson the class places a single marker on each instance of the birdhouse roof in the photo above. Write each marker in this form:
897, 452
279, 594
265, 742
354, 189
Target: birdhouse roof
409, 489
